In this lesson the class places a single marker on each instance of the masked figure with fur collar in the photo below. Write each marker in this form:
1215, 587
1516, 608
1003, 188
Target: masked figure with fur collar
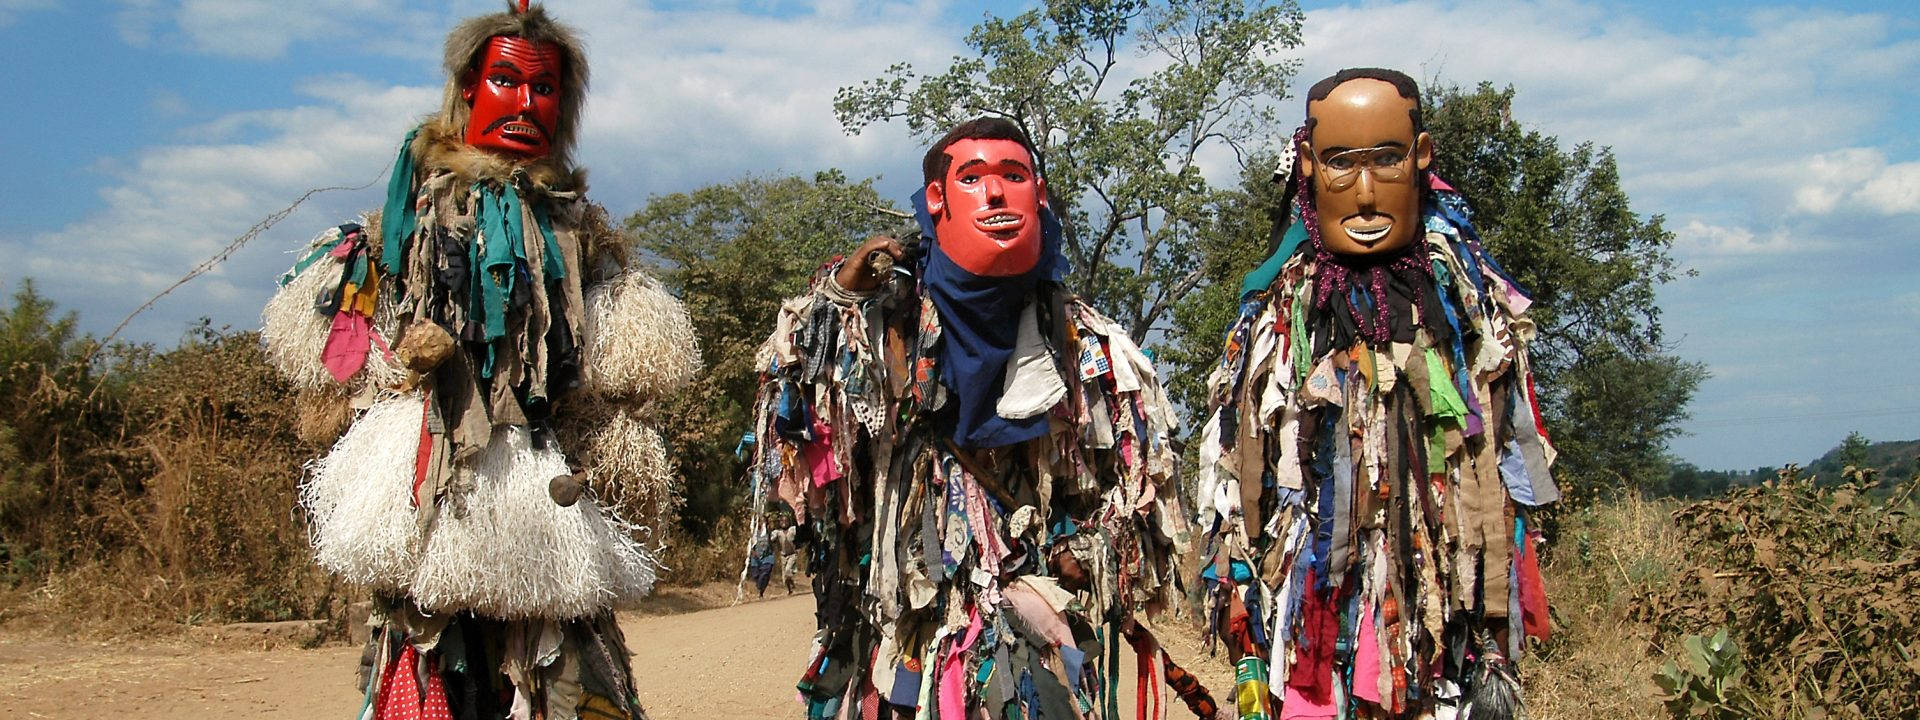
1375, 452
494, 348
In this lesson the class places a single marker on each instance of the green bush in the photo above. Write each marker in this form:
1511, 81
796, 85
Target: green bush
1706, 682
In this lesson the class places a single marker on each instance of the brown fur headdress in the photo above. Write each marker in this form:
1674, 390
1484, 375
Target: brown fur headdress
469, 39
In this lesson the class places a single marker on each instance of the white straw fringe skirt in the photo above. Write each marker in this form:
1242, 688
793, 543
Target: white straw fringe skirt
504, 550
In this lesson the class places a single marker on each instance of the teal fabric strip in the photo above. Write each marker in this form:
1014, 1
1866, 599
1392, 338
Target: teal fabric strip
1290, 243
397, 221
494, 257
479, 287
358, 274
312, 257
516, 227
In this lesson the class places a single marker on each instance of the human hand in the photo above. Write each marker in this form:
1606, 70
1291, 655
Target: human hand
858, 274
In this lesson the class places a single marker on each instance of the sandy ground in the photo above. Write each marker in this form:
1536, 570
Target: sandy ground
737, 661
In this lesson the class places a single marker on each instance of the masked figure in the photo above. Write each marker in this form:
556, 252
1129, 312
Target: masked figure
493, 348
979, 462
1375, 448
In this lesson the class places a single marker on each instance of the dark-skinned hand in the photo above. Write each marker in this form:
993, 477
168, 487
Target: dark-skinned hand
856, 274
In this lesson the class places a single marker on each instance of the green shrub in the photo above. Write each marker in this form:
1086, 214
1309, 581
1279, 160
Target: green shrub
1706, 682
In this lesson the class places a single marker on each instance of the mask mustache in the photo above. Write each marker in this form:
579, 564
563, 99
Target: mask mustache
528, 119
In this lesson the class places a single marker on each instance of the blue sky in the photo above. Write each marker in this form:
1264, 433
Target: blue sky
1771, 137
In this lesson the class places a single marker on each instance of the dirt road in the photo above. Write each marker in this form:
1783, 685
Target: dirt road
735, 662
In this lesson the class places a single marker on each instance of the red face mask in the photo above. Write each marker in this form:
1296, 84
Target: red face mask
514, 91
987, 209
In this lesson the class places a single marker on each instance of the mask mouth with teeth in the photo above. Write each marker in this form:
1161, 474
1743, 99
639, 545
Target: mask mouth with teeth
986, 205
1365, 231
1000, 224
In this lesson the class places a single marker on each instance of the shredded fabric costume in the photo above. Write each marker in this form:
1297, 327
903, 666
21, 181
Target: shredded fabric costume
474, 323
1373, 449
936, 470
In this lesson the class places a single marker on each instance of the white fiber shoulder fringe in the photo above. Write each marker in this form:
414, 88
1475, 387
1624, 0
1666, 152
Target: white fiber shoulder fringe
502, 548
639, 339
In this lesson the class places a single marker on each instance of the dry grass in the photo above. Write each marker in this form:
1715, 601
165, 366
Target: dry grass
1600, 662
689, 563
639, 339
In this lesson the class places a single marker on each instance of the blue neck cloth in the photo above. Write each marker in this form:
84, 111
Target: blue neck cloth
979, 326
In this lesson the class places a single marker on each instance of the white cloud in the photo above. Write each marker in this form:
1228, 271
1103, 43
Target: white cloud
687, 98
680, 99
1858, 179
1697, 239
171, 207
1894, 190
1732, 118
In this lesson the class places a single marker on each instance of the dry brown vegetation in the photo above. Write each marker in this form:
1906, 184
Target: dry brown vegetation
142, 491
163, 492
1818, 586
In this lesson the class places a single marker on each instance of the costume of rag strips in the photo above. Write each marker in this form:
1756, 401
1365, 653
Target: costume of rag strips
487, 491
1372, 455
948, 445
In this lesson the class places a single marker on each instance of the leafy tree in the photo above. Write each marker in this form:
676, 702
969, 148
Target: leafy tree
733, 252
39, 364
1122, 97
1558, 219
1232, 247
1853, 450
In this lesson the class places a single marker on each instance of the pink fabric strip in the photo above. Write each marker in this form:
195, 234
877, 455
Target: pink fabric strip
953, 689
986, 535
386, 351
820, 455
1366, 661
1296, 706
346, 349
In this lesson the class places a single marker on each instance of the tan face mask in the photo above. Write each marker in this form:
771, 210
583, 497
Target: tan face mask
1364, 162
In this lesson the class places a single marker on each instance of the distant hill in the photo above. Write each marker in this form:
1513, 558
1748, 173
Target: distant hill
1894, 458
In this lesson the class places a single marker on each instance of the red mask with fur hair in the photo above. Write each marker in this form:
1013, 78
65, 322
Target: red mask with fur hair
514, 92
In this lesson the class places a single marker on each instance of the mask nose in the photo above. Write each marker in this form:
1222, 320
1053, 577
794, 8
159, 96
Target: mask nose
1363, 193
995, 193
